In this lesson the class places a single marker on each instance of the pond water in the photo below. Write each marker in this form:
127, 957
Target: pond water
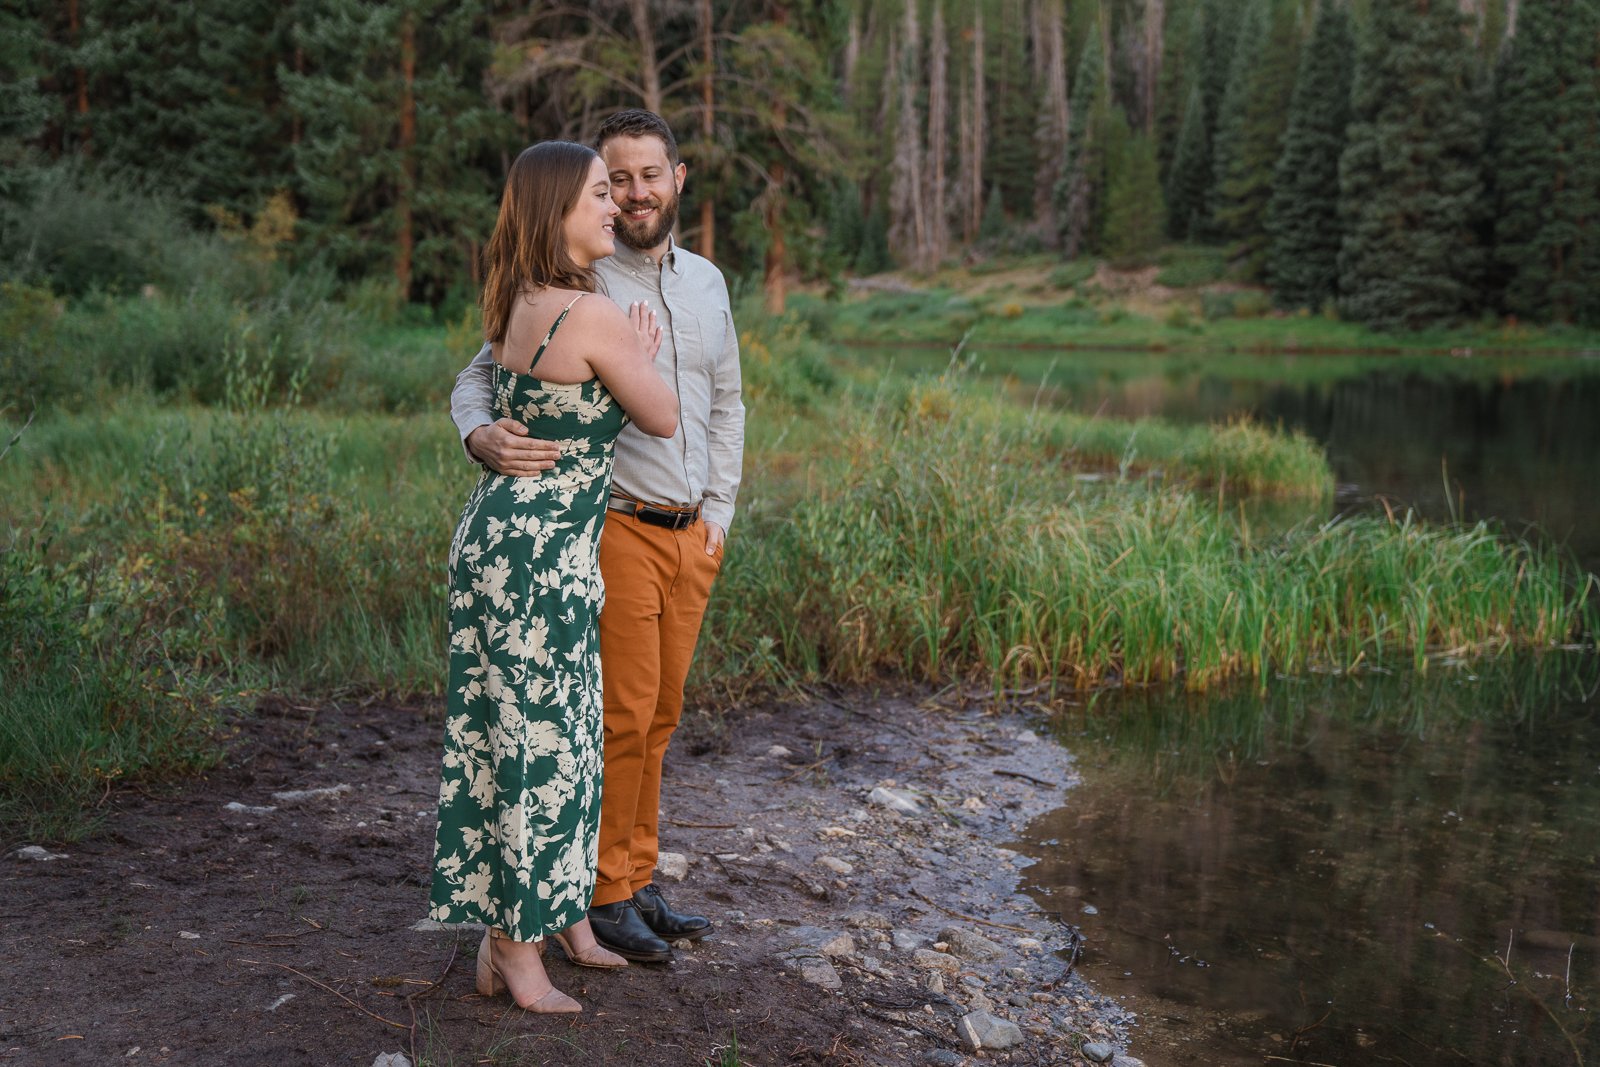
1391, 869
1384, 870
1513, 439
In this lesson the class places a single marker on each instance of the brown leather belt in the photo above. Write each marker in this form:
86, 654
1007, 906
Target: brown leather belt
655, 514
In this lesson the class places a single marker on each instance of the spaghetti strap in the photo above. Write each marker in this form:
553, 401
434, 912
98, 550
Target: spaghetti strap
546, 342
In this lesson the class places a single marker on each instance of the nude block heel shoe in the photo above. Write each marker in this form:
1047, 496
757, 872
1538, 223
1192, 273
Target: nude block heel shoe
602, 959
492, 983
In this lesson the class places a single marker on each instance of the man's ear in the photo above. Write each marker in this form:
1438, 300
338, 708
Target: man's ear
678, 174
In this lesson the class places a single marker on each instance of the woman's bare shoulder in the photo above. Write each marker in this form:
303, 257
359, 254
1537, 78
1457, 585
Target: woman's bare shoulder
593, 311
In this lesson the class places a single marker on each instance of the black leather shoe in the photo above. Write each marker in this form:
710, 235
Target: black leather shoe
669, 924
620, 928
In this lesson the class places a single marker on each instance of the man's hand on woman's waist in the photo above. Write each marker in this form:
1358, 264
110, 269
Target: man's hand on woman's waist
505, 448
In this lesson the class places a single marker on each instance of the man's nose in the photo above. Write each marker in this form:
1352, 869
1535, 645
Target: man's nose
638, 191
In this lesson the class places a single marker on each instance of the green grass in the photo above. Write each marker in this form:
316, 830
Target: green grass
955, 550
916, 526
1211, 321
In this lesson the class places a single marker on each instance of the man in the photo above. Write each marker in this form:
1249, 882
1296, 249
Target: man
671, 505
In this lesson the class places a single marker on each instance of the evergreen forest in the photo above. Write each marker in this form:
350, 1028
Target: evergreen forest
1404, 164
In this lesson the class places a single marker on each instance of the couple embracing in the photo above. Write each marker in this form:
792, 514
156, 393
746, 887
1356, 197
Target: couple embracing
560, 571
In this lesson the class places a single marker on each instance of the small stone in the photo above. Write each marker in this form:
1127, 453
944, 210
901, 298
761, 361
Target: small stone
934, 983
816, 970
281, 1001
1099, 1051
834, 864
972, 804
392, 1059
972, 981
1028, 945
893, 800
778, 752
673, 866
820, 942
935, 961
1027, 737
981, 1030
38, 854
187, 936
1126, 1061
906, 941
867, 920
969, 944
300, 796
943, 1057
1016, 972
259, 809
1090, 909
429, 926
979, 1002
683, 944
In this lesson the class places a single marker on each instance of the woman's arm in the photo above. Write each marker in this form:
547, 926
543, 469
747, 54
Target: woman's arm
620, 348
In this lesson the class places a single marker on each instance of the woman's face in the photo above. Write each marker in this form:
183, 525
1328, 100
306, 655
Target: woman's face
588, 226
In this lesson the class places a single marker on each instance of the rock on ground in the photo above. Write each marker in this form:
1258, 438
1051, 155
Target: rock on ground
980, 1030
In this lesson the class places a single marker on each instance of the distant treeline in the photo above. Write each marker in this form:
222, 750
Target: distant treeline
1405, 161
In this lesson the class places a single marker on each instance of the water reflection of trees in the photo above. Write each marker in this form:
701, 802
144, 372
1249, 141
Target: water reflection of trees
1369, 845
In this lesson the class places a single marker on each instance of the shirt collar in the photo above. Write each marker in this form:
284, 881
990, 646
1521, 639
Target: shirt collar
632, 257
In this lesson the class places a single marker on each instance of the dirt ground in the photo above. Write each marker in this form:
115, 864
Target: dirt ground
189, 932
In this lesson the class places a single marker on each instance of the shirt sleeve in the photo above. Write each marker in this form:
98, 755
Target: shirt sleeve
724, 433
472, 400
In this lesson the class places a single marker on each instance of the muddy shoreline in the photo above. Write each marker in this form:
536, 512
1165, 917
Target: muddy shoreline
199, 927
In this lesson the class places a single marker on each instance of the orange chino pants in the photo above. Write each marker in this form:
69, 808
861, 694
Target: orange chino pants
657, 584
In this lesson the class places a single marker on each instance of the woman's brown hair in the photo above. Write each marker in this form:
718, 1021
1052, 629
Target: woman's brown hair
529, 246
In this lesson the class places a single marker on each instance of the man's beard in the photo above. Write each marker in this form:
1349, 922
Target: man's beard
631, 234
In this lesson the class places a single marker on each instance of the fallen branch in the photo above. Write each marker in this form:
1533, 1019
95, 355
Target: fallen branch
964, 915
1027, 778
330, 989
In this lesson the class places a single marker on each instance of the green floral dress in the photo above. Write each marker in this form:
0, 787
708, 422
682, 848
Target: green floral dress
519, 796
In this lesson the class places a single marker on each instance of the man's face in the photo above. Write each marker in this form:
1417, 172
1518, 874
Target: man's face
645, 185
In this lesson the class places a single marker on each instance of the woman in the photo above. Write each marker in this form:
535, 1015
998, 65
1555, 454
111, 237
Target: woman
519, 799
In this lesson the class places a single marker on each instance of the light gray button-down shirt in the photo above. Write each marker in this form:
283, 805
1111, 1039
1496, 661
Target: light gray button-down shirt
699, 357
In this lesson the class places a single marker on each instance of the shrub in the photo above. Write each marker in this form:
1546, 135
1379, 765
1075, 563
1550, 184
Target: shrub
92, 693
1216, 305
1072, 274
1187, 266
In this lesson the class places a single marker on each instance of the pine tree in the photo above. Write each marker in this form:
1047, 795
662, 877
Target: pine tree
1303, 216
187, 95
1250, 133
1013, 105
1190, 172
1410, 180
1179, 76
1546, 163
400, 155
24, 107
1135, 214
1080, 209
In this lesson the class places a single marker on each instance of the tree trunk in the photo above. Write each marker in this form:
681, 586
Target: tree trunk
649, 67
777, 175
708, 133
1054, 118
777, 252
1155, 43
967, 160
938, 229
979, 120
407, 144
81, 79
